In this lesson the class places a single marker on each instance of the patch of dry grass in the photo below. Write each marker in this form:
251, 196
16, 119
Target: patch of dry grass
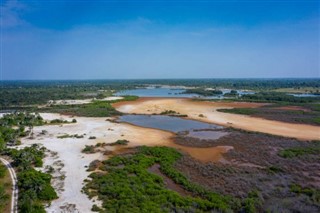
6, 191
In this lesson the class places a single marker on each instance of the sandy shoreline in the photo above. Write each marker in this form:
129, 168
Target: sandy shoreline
194, 109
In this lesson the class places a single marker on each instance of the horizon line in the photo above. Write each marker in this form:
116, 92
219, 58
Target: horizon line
113, 79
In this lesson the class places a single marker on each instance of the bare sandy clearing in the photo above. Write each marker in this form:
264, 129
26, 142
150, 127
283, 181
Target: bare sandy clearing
71, 162
81, 101
210, 114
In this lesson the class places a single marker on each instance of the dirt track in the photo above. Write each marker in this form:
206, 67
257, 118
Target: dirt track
208, 109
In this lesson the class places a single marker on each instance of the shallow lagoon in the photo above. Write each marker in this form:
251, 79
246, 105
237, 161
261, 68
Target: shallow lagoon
167, 123
176, 125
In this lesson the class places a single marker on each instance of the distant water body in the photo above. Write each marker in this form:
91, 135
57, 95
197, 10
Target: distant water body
305, 95
156, 92
170, 92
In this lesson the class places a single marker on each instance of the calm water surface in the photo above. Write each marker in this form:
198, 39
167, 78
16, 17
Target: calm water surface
207, 135
167, 123
174, 124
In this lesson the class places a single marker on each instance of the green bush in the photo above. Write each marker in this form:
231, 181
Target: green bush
27, 157
95, 208
314, 194
35, 185
88, 149
119, 142
299, 151
129, 186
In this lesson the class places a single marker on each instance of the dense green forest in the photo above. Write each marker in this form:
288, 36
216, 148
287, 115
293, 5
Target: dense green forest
21, 93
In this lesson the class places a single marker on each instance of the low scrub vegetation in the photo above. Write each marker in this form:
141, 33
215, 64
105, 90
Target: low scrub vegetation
89, 149
70, 136
16, 125
307, 114
313, 193
278, 97
60, 121
96, 109
242, 111
203, 92
119, 142
27, 157
168, 112
300, 151
173, 113
128, 186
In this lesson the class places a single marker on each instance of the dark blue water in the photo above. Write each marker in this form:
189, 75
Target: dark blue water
167, 123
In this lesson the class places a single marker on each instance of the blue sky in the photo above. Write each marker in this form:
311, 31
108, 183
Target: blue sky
82, 39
